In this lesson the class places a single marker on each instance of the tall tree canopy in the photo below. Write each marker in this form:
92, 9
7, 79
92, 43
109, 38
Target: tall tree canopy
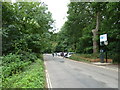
86, 17
25, 27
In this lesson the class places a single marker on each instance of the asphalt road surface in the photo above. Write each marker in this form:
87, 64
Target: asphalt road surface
65, 73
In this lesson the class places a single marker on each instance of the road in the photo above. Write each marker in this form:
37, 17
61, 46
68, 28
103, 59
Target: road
65, 73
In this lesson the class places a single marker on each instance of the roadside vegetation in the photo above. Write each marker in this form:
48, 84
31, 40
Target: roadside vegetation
85, 23
25, 37
89, 58
32, 76
92, 56
78, 58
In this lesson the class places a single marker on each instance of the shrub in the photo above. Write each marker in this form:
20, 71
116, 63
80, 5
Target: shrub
12, 64
32, 77
116, 57
27, 56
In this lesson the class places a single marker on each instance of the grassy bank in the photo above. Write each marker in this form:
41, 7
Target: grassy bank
89, 58
77, 57
33, 76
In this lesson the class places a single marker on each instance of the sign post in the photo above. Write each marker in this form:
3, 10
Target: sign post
103, 43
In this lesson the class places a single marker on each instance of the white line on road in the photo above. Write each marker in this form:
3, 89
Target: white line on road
49, 85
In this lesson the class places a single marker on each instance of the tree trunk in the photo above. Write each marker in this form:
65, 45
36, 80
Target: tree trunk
95, 35
75, 47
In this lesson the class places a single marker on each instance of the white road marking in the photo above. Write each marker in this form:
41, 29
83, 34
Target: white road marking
49, 85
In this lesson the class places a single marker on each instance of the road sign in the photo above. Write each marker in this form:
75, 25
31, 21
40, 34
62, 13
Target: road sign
103, 43
103, 38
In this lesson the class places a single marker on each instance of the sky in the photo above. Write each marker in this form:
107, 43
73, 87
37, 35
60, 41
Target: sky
59, 9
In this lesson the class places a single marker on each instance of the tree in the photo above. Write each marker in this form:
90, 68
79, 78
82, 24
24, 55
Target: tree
26, 26
97, 8
100, 17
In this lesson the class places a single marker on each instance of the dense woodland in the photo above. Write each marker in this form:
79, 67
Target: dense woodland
83, 18
26, 33
25, 28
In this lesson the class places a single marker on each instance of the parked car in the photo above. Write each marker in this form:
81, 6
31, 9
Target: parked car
69, 54
59, 54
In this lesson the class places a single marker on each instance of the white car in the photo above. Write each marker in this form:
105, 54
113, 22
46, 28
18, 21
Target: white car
59, 54
69, 54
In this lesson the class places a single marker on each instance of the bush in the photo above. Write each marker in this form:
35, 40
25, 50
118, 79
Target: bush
32, 77
40, 56
116, 58
114, 51
12, 64
27, 56
15, 64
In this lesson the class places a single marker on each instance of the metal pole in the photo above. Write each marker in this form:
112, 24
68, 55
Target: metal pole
106, 56
102, 56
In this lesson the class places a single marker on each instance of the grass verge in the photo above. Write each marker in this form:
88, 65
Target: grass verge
32, 77
89, 58
78, 58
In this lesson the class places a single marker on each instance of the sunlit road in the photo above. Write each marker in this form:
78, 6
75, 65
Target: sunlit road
64, 73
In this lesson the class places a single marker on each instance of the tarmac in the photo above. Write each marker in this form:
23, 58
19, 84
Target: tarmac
67, 73
107, 65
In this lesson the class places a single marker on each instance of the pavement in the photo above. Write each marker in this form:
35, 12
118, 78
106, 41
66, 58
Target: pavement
66, 73
107, 65
101, 64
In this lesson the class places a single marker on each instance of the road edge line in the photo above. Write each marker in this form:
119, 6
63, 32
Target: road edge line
49, 85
